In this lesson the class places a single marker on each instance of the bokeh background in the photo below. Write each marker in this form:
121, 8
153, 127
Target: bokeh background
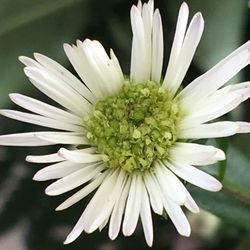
27, 216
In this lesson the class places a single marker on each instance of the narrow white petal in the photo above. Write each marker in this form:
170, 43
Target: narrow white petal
138, 53
117, 213
177, 44
195, 176
29, 139
177, 217
29, 61
190, 43
133, 206
212, 110
195, 154
157, 47
57, 171
211, 130
40, 120
74, 180
58, 91
103, 208
244, 127
146, 217
154, 193
65, 75
190, 204
50, 158
147, 18
83, 192
81, 65
95, 204
116, 64
217, 76
170, 185
102, 66
79, 156
63, 138
45, 109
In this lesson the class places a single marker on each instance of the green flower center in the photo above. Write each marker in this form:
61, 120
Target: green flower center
134, 128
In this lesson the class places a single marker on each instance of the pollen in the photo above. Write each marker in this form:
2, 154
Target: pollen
134, 128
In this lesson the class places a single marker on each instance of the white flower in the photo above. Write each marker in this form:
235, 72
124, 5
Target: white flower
129, 137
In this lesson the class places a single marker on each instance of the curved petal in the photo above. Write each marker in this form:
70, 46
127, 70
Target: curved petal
190, 43
133, 205
195, 154
178, 217
83, 192
40, 120
45, 109
57, 171
217, 76
211, 130
195, 176
79, 156
177, 44
74, 180
157, 47
29, 139
146, 217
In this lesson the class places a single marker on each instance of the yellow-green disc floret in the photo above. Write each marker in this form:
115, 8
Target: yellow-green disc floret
135, 127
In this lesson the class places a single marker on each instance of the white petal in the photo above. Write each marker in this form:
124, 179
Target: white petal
57, 171
83, 192
133, 206
65, 75
79, 156
45, 109
154, 193
101, 211
44, 158
102, 66
146, 217
244, 127
190, 204
29, 139
138, 53
170, 185
212, 110
63, 138
117, 213
94, 205
177, 217
190, 43
177, 44
241, 88
195, 154
116, 64
217, 76
195, 176
212, 130
157, 47
40, 120
82, 67
58, 91
74, 180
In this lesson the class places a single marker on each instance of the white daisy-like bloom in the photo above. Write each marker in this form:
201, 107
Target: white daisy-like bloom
129, 138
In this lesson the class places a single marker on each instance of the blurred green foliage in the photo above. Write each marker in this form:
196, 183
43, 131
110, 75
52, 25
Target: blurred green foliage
28, 26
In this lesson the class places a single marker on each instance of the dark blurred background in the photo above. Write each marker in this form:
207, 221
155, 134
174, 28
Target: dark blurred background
27, 216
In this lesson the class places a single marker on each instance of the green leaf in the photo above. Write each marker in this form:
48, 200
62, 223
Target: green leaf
223, 205
35, 26
233, 202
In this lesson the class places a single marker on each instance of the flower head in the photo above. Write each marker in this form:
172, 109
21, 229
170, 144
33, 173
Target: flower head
129, 137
